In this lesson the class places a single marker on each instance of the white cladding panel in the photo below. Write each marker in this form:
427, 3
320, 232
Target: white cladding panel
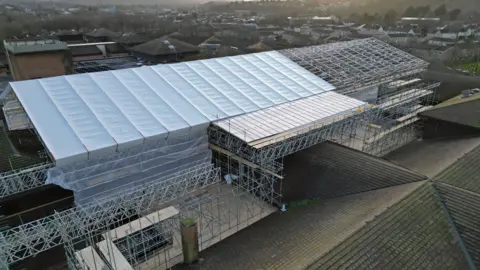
289, 116
87, 115
51, 126
81, 119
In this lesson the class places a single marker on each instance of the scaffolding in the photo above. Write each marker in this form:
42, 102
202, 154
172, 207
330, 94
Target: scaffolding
21, 180
43, 234
139, 227
198, 193
154, 240
393, 120
375, 72
354, 64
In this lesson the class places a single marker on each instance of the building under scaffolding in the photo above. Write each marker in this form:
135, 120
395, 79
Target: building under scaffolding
144, 149
375, 72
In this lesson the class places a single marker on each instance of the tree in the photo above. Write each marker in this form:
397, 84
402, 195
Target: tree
410, 12
441, 10
355, 17
422, 11
377, 18
367, 18
390, 17
453, 15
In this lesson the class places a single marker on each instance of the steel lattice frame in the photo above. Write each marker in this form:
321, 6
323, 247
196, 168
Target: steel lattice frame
23, 179
219, 209
347, 65
35, 237
267, 156
396, 121
353, 64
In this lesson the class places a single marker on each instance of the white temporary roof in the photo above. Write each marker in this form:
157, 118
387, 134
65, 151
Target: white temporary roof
277, 123
87, 115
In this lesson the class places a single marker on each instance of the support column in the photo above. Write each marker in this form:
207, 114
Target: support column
189, 241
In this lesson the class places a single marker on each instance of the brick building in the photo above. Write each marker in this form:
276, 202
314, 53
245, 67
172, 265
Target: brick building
38, 59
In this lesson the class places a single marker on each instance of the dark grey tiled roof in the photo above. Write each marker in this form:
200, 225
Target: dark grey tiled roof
460, 111
331, 170
163, 46
464, 174
464, 210
459, 187
413, 234
102, 32
131, 39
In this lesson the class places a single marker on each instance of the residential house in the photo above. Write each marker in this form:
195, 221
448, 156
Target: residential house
420, 21
258, 47
212, 43
440, 41
70, 37
165, 49
297, 22
101, 35
402, 39
305, 29
297, 40
87, 52
129, 40
316, 20
431, 52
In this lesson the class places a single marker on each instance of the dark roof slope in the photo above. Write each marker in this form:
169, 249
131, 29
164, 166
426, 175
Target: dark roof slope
459, 187
413, 234
459, 110
330, 170
212, 40
165, 46
85, 50
465, 173
131, 39
464, 210
102, 32
259, 47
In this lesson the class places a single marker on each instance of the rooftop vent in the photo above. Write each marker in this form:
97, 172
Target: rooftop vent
166, 42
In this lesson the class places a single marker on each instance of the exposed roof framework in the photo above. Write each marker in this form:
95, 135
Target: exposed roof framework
87, 115
356, 63
275, 124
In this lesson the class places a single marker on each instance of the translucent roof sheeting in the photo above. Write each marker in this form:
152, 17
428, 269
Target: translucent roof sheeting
89, 115
356, 63
280, 122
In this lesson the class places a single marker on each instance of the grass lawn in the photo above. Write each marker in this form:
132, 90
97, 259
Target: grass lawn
473, 68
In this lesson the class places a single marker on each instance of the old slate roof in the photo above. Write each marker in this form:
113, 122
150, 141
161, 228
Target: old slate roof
259, 47
212, 40
458, 110
464, 174
330, 170
164, 46
459, 187
103, 32
131, 39
412, 234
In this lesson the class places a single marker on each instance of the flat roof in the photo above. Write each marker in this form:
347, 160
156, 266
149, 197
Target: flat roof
82, 116
278, 123
32, 46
